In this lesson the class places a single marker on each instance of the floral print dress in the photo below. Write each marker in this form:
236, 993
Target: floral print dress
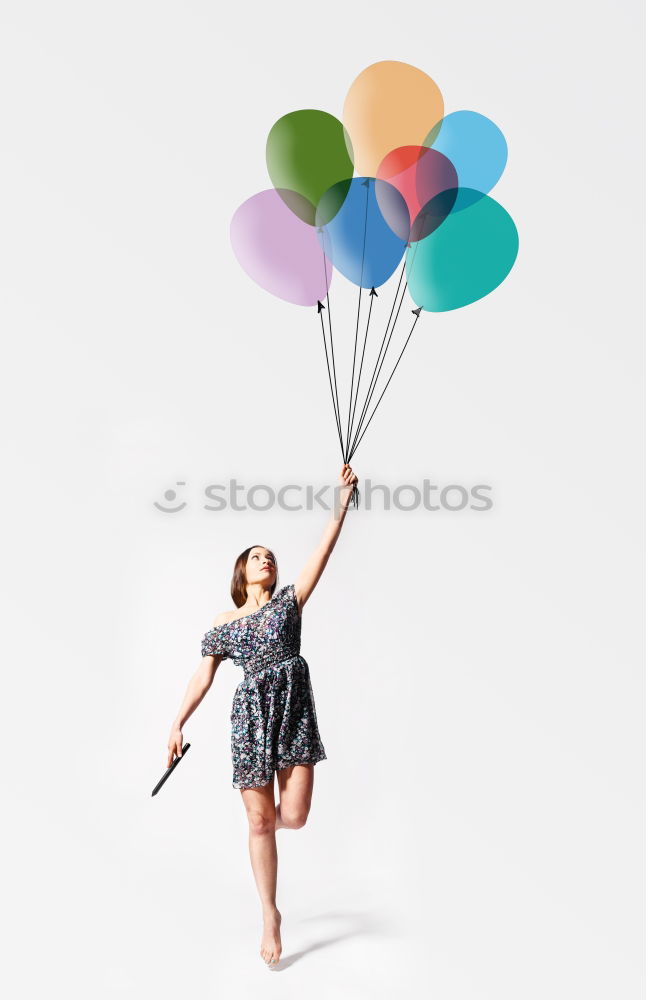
273, 717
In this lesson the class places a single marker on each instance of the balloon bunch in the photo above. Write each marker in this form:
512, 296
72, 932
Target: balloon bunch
396, 180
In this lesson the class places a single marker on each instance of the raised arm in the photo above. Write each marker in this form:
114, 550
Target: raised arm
311, 572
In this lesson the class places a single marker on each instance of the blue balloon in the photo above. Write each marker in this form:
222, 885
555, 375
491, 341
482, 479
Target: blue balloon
363, 236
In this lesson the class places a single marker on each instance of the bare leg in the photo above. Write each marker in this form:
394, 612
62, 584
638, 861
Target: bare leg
261, 814
295, 786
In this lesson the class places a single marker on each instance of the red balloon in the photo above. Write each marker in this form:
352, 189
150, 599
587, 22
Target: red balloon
419, 173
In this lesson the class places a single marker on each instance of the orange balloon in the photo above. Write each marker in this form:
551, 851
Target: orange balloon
390, 104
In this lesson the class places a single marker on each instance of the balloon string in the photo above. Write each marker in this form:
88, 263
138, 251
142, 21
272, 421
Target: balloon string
417, 315
372, 392
327, 361
379, 366
366, 183
363, 410
347, 437
335, 403
337, 409
365, 341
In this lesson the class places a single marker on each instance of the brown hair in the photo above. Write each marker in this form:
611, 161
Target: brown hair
239, 578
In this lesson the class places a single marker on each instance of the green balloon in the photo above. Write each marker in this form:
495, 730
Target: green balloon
468, 255
307, 153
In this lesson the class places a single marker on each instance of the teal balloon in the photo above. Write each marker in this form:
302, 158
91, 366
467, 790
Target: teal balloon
465, 258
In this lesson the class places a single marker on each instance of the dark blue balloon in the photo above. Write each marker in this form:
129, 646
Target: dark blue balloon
363, 237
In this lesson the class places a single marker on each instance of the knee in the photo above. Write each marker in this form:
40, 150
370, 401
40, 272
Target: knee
261, 822
294, 820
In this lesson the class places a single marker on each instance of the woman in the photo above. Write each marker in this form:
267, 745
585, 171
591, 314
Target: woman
273, 718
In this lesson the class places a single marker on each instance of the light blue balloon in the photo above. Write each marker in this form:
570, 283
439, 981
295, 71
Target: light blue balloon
477, 149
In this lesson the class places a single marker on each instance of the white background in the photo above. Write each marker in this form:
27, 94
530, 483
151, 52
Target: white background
477, 829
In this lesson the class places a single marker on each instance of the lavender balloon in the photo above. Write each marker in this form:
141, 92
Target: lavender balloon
278, 250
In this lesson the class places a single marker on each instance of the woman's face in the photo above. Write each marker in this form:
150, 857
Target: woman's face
261, 566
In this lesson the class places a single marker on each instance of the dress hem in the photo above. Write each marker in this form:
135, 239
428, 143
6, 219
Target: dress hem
269, 780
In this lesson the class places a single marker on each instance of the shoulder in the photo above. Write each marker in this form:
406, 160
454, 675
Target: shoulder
222, 618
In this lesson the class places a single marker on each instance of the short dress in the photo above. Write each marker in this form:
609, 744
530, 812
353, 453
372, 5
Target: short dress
273, 717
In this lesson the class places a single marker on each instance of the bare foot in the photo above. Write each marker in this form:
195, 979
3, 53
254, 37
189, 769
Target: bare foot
271, 945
